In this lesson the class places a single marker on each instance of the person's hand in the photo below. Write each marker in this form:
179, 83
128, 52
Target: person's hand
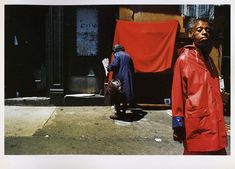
179, 134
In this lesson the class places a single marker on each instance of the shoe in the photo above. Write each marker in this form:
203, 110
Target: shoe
117, 116
113, 116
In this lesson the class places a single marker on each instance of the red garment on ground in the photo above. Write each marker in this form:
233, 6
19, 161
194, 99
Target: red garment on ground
150, 44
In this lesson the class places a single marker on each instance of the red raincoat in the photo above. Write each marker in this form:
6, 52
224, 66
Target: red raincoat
196, 99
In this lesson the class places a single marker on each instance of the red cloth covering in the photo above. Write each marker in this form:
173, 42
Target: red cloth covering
150, 44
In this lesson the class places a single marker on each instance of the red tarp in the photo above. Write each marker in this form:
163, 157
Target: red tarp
150, 44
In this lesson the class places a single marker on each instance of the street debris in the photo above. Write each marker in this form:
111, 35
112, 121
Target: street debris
169, 112
158, 139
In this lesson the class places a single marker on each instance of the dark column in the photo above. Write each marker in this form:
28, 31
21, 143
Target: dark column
55, 55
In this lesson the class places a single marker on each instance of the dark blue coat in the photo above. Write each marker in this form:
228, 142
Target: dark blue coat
123, 69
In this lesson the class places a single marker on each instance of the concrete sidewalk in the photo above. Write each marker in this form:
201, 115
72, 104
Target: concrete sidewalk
89, 130
25, 120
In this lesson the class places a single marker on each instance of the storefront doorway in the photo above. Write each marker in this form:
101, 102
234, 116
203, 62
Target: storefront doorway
89, 32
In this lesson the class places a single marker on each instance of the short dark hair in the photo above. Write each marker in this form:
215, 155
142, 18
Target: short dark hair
192, 21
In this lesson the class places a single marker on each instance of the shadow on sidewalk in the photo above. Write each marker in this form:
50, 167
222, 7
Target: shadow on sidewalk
135, 115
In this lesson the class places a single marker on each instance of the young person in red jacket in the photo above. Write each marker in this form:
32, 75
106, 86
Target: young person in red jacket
197, 108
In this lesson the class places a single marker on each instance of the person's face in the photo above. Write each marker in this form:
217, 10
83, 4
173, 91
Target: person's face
201, 33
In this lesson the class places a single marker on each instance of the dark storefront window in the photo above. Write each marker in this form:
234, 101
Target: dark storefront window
25, 53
